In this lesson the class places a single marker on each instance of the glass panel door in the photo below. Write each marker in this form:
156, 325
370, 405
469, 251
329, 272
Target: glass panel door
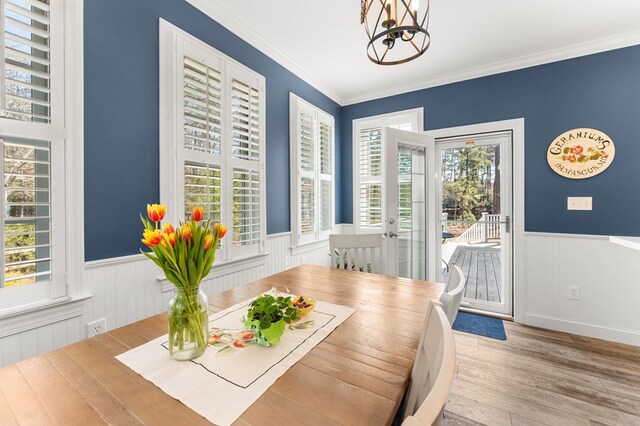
406, 204
411, 213
475, 207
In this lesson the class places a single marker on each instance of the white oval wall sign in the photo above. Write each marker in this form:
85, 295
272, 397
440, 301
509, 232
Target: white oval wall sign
581, 153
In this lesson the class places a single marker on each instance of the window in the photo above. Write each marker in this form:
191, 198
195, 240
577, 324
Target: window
32, 151
369, 165
312, 170
212, 142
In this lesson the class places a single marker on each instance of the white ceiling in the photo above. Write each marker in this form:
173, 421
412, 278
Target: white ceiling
324, 43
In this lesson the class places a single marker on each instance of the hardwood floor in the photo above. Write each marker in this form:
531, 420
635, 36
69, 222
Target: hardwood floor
544, 377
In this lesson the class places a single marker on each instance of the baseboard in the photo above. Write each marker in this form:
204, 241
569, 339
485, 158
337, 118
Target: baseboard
628, 337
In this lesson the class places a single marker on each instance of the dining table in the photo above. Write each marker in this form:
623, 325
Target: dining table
357, 375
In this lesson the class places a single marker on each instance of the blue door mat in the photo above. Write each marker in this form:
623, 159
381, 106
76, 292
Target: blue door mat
480, 325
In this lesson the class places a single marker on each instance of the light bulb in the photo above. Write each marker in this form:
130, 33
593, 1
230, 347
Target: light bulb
390, 21
415, 5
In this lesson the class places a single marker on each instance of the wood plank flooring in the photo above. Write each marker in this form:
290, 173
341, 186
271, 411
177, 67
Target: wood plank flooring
482, 267
544, 377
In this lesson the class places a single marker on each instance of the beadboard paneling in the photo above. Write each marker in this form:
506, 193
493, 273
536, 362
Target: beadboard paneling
39, 340
607, 274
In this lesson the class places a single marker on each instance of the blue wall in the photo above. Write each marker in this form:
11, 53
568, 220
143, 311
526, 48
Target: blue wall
599, 91
121, 125
121, 116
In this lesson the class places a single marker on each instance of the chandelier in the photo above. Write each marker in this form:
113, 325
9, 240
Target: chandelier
397, 29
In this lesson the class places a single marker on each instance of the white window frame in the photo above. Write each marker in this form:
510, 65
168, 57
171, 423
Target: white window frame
64, 259
174, 43
400, 119
296, 106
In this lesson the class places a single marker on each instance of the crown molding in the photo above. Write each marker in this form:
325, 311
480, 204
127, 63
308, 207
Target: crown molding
574, 51
225, 18
242, 30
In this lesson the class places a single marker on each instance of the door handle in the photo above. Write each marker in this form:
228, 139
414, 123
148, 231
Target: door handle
391, 234
507, 223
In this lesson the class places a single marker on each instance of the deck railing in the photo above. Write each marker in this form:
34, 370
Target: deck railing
485, 229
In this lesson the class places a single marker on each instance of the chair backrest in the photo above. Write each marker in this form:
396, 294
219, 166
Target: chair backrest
452, 297
433, 369
455, 277
357, 252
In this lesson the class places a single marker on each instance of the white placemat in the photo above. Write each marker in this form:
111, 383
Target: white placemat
232, 374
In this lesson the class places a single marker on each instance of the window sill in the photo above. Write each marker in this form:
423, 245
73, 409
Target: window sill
307, 247
28, 317
224, 268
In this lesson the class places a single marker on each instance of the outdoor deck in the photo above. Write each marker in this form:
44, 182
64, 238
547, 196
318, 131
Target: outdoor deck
482, 267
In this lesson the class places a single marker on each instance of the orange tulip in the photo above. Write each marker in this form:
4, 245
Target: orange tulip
156, 212
220, 229
169, 238
208, 240
186, 232
152, 237
168, 228
197, 213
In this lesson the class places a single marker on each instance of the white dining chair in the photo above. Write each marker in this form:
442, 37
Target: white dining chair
357, 252
433, 370
452, 297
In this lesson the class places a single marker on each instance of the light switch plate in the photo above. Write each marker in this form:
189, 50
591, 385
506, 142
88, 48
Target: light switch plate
579, 203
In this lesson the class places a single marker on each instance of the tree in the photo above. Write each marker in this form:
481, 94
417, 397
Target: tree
468, 176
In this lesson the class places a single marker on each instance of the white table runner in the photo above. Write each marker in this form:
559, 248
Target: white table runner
232, 374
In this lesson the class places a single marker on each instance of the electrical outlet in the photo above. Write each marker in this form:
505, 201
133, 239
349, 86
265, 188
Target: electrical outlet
574, 292
96, 327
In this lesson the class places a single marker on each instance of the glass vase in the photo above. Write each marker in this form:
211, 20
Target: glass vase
188, 323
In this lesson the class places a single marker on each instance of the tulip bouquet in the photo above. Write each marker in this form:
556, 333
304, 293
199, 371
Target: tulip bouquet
185, 255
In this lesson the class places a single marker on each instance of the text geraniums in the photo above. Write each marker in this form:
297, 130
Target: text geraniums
184, 254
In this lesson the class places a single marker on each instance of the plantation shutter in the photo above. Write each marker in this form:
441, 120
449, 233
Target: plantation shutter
217, 115
245, 118
203, 188
246, 127
312, 140
368, 174
307, 173
26, 220
202, 108
246, 207
326, 175
201, 151
370, 178
25, 91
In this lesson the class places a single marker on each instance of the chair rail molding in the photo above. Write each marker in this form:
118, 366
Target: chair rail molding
40, 315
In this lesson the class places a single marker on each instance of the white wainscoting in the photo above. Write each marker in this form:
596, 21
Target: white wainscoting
25, 344
607, 274
128, 289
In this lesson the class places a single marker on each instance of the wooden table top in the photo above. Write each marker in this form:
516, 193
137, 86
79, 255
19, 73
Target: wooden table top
357, 375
